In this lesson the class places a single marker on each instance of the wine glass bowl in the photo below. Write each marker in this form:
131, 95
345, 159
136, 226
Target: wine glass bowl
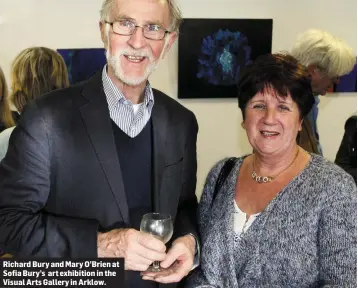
159, 226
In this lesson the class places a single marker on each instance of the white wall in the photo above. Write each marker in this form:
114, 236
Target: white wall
74, 24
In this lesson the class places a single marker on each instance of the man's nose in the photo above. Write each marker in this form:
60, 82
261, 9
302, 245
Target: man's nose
137, 39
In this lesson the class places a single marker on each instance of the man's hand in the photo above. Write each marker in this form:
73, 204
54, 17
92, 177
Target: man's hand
177, 263
138, 249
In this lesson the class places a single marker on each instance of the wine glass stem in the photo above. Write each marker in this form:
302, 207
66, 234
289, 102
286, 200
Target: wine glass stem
156, 265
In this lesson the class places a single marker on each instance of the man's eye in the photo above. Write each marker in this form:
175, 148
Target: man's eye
125, 23
154, 28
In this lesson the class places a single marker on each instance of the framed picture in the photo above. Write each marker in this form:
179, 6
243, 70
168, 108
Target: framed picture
346, 83
212, 53
82, 64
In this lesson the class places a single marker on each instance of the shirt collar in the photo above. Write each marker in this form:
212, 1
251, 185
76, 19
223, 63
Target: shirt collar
115, 96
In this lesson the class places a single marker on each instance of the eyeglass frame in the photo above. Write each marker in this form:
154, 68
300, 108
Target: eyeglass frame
135, 29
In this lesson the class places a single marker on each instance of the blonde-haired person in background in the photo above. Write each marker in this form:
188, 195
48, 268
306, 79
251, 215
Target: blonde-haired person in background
327, 58
35, 71
7, 117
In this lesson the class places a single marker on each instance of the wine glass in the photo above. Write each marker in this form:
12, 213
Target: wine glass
161, 227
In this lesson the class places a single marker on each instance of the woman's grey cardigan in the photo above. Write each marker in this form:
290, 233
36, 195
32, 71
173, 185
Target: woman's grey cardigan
306, 236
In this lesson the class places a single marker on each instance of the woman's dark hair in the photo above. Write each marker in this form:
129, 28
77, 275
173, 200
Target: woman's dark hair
283, 73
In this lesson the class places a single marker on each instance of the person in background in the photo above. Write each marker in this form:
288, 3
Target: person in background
87, 162
347, 154
7, 117
327, 58
279, 217
35, 71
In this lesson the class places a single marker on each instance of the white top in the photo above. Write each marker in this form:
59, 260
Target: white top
4, 141
241, 224
136, 108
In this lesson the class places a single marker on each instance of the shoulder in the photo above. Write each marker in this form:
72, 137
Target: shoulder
51, 111
171, 104
60, 98
330, 179
351, 123
218, 166
58, 103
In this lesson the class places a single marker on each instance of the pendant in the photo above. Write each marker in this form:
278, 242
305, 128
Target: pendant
261, 179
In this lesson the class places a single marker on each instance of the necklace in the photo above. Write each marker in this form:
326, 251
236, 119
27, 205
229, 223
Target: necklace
268, 179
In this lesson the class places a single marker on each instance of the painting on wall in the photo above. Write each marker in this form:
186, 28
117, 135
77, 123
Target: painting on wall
346, 83
82, 64
212, 53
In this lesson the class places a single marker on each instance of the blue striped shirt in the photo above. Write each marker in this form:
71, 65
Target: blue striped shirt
121, 110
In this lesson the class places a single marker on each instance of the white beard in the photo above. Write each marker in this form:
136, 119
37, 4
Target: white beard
114, 61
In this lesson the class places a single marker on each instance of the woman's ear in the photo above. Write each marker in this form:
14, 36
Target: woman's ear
300, 127
243, 124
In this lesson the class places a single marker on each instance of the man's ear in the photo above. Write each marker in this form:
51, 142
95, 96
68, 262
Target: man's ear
169, 41
312, 69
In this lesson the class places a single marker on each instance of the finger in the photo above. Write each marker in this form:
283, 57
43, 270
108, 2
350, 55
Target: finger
136, 267
133, 257
149, 254
180, 271
150, 242
174, 253
148, 278
161, 273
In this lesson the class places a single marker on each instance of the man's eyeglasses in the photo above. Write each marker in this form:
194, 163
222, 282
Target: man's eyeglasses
150, 31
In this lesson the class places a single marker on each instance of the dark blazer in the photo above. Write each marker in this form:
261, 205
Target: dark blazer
347, 153
61, 180
306, 137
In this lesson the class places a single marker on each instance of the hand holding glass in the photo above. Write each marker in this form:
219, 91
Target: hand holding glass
161, 227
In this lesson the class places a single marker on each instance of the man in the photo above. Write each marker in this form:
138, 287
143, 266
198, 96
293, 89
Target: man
86, 163
327, 58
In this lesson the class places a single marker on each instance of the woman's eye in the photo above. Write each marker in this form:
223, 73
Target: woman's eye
284, 108
259, 106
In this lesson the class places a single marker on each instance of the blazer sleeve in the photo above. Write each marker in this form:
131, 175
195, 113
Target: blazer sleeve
337, 238
186, 222
27, 229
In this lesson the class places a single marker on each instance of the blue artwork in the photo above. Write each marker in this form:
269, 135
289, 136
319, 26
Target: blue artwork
82, 64
212, 52
347, 83
222, 56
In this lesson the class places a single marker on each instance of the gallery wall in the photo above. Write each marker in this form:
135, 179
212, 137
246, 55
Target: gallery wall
74, 24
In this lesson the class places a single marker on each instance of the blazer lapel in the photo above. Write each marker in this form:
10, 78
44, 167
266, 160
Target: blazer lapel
160, 124
97, 121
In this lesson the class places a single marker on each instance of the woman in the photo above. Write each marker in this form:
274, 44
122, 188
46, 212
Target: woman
282, 217
35, 71
7, 116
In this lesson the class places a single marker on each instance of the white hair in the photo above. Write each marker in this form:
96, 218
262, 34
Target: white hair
318, 47
174, 10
